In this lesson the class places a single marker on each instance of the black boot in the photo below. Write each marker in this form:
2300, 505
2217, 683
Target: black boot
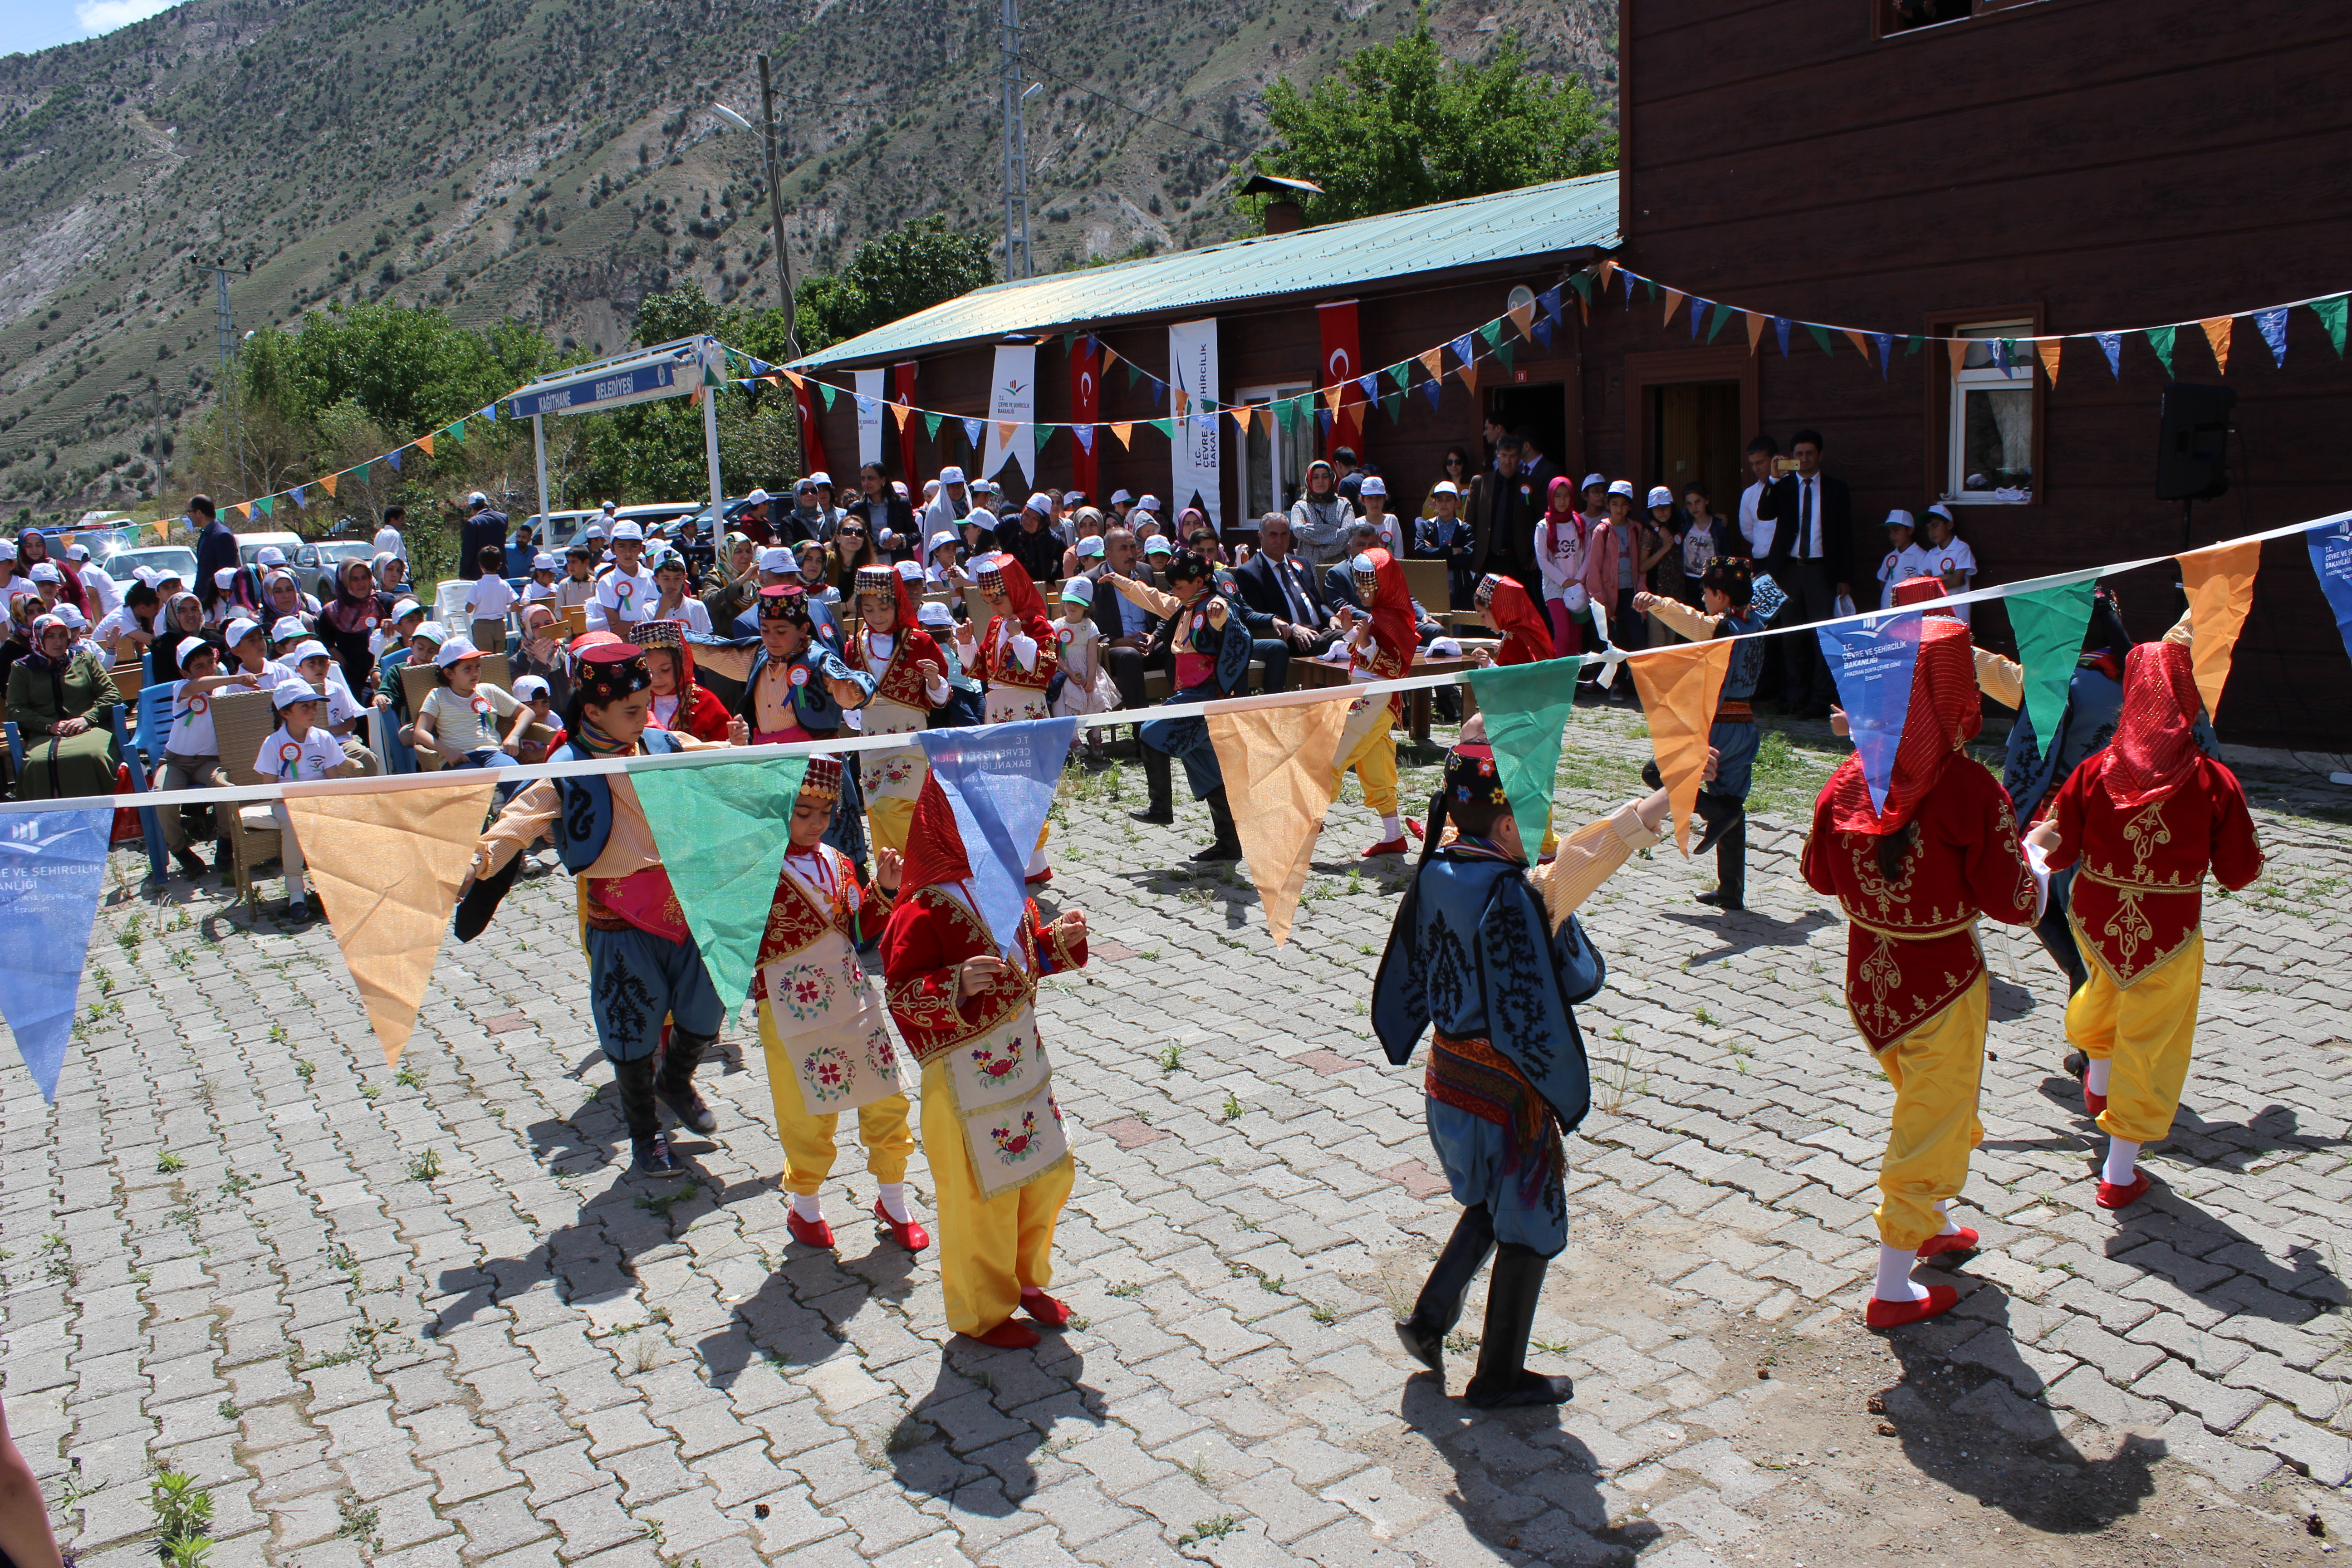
1503, 1378
1730, 868
635, 1081
1721, 813
1159, 779
1440, 1306
674, 1085
1228, 846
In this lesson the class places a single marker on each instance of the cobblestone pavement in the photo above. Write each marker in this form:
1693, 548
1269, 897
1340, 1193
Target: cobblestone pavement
422, 1317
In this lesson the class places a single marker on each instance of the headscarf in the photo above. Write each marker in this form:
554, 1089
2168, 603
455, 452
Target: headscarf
934, 853
1021, 589
347, 612
1922, 591
36, 656
1390, 598
2154, 752
1527, 635
72, 591
1945, 714
1559, 510
1320, 522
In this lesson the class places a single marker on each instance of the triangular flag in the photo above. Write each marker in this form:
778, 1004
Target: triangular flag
2049, 625
1678, 687
456, 432
932, 423
1912, 344
1551, 301
1084, 437
1582, 283
722, 830
394, 458
1431, 362
1436, 390
1781, 325
1331, 398
1885, 341
800, 381
52, 870
1000, 781
1492, 332
1242, 416
1165, 427
1277, 765
1959, 349
898, 418
1754, 331
2004, 355
326, 482
1821, 335
2219, 583
1393, 406
2331, 314
1469, 374
1005, 430
1607, 269
1371, 387
975, 431
244, 510
1873, 672
425, 443
2047, 347
1699, 308
387, 866
2271, 324
1629, 287
865, 404
1544, 325
1401, 373
265, 505
2331, 561
827, 390
1675, 298
1716, 317
1182, 397
489, 411
2217, 333
1135, 372
1860, 342
2113, 343
1504, 351
1524, 318
294, 495
1463, 349
1526, 706
2160, 339
1125, 432
359, 472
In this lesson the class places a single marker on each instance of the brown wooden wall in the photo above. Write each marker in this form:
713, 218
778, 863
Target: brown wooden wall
2104, 165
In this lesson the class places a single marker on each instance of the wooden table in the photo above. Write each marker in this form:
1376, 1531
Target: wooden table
1315, 672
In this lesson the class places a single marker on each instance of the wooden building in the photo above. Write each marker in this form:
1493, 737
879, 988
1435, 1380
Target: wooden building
2043, 166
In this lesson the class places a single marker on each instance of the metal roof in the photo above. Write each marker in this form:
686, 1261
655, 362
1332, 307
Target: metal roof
1535, 220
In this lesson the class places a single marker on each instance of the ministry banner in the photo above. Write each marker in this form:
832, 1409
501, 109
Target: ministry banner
1012, 413
869, 416
1198, 447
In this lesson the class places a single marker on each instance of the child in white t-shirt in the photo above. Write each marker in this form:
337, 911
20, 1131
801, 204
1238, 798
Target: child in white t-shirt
1904, 559
1086, 684
317, 667
299, 750
1949, 556
489, 599
191, 753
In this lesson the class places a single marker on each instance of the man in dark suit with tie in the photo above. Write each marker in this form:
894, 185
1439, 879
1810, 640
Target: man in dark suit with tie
1275, 581
1813, 560
1126, 630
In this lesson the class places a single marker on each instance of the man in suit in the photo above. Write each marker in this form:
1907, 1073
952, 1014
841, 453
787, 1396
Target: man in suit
1504, 508
1811, 560
1126, 630
1275, 581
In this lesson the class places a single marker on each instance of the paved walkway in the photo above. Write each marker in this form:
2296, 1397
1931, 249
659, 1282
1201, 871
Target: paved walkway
422, 1318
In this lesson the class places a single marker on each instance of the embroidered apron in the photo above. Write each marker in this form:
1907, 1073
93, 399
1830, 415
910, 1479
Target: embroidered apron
831, 1018
1002, 1087
891, 774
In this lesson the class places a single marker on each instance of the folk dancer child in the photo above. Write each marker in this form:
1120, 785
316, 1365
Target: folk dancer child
643, 963
1490, 953
2144, 820
1086, 686
1503, 605
822, 1025
680, 704
910, 678
299, 750
1380, 647
964, 1001
1914, 879
1728, 590
1018, 659
1210, 642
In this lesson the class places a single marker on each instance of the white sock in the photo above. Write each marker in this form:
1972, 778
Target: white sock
894, 1200
1391, 829
2095, 1079
809, 1206
2123, 1155
1951, 1226
1037, 861
1894, 1275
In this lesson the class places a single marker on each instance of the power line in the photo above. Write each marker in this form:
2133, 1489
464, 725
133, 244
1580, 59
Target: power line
1140, 114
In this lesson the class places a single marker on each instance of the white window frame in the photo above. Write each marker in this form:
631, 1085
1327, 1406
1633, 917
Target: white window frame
2019, 378
1283, 458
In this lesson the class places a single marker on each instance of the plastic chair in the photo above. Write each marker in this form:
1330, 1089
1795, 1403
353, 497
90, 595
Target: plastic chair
242, 720
152, 731
151, 826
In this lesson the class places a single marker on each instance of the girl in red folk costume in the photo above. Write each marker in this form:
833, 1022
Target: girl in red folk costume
1380, 647
1018, 658
1914, 879
2144, 819
679, 705
1506, 606
1000, 1159
909, 679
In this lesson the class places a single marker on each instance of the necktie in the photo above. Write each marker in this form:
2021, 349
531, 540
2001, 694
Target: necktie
1805, 519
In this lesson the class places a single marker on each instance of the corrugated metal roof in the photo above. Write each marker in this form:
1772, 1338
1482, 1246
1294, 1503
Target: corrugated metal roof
1535, 220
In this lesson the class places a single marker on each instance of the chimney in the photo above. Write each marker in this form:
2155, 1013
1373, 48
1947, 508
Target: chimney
1282, 217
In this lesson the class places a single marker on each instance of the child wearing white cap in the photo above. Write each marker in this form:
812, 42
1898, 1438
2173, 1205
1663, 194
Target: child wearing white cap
1949, 557
1904, 559
1086, 681
464, 720
298, 751
316, 667
625, 595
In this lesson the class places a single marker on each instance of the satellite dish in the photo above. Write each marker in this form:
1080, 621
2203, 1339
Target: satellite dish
1520, 299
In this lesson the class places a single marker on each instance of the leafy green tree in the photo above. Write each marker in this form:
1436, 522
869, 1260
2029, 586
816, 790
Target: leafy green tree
892, 275
1403, 127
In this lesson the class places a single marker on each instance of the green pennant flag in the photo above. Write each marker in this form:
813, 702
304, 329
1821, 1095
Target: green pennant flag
1821, 335
456, 432
263, 507
931, 425
1912, 344
1070, 341
828, 389
2160, 339
1651, 289
1492, 332
359, 472
2049, 625
2331, 315
1722, 314
722, 831
1503, 352
1165, 427
1402, 374
710, 376
1526, 707
1393, 406
1582, 283
1135, 372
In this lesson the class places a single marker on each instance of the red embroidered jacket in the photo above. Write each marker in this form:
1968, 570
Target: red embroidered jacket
1004, 670
2140, 894
1389, 659
900, 680
932, 931
1911, 946
795, 919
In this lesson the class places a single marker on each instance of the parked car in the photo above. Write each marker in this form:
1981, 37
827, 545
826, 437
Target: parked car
123, 565
315, 565
249, 546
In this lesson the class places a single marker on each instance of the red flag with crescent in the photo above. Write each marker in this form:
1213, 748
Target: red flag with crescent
1342, 363
1086, 408
903, 383
811, 438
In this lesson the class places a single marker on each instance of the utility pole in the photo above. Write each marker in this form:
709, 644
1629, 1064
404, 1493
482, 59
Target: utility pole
231, 431
776, 207
1016, 166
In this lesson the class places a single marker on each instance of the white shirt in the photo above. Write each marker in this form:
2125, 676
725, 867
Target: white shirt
1561, 566
689, 610
192, 723
490, 600
1954, 557
1900, 565
1754, 529
1807, 545
342, 707
100, 588
122, 619
1391, 534
388, 542
282, 757
622, 597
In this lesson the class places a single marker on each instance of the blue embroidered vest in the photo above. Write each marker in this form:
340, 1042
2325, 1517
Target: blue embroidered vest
585, 818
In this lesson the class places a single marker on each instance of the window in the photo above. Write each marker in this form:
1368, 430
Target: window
1912, 16
1274, 464
1989, 445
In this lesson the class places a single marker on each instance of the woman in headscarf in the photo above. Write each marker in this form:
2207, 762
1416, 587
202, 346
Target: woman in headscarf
1727, 594
348, 624
32, 549
1914, 875
285, 597
1380, 647
2145, 820
999, 1154
183, 620
910, 678
540, 651
1560, 538
1320, 518
680, 704
1504, 606
58, 699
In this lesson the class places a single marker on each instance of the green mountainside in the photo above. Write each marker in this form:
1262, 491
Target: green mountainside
554, 161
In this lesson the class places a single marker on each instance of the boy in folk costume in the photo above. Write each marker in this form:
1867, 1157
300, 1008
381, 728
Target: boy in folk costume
1914, 878
1210, 644
1018, 659
643, 963
822, 1023
1727, 589
2145, 820
1490, 953
1380, 647
964, 1002
910, 677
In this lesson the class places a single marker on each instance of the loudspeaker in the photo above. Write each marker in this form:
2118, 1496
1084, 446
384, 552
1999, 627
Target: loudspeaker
2191, 457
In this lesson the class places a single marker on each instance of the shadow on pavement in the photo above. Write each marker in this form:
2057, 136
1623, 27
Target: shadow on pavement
959, 1443
1494, 1453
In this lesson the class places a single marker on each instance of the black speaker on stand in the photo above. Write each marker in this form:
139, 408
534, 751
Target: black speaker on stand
2192, 446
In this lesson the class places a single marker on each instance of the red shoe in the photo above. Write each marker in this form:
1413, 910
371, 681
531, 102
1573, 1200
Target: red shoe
808, 1232
1045, 1309
1415, 828
1894, 1315
2112, 1196
1962, 1240
2092, 1103
1041, 879
910, 1234
1388, 846
1008, 1335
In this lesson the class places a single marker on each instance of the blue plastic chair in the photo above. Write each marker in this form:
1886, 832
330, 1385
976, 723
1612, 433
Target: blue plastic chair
151, 826
152, 731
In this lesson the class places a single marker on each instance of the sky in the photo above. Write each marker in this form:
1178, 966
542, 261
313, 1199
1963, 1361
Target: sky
29, 25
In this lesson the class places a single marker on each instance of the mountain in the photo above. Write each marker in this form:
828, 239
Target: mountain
554, 161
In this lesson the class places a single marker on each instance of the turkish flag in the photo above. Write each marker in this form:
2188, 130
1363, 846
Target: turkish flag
1086, 408
1342, 363
903, 380
811, 438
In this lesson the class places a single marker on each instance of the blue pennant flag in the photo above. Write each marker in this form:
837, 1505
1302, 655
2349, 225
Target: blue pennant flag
1699, 309
975, 431
1542, 328
394, 458
1323, 417
759, 367
2331, 558
2114, 344
2001, 355
866, 406
2273, 324
1371, 387
1086, 435
1462, 349
488, 411
1872, 661
1629, 287
1885, 341
52, 870
1000, 781
1551, 300
1781, 325
1435, 387
296, 495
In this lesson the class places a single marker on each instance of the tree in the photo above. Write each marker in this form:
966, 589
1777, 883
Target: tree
1404, 127
892, 275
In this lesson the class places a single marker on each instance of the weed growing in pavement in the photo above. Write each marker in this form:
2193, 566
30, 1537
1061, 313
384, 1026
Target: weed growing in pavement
1234, 1108
359, 1521
168, 1164
1171, 1057
1128, 1287
409, 1078
1325, 1313
304, 1070
183, 1510
1202, 1530
425, 1167
662, 1204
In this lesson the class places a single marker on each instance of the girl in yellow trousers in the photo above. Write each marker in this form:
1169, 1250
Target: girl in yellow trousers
1914, 877
964, 1002
822, 1021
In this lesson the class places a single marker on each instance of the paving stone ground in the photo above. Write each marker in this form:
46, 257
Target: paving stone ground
423, 1316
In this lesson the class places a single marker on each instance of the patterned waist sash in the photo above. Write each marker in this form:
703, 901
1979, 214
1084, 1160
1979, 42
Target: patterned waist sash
1730, 711
1472, 1076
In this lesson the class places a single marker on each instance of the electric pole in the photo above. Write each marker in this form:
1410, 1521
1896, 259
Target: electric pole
776, 206
1016, 162
231, 432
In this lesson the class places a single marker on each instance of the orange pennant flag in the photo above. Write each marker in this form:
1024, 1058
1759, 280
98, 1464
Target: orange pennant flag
1124, 433
1004, 431
1958, 348
775, 380
1674, 303
2047, 349
1862, 345
2217, 333
1182, 397
326, 482
1278, 763
1524, 318
1431, 362
1110, 357
426, 442
1678, 689
1242, 416
1331, 398
1469, 374
1608, 269
898, 413
244, 510
796, 379
387, 866
2220, 581
1755, 330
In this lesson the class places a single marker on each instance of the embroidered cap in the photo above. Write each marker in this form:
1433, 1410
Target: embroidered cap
875, 580
823, 780
989, 571
610, 671
1484, 594
664, 633
780, 602
1471, 778
1730, 576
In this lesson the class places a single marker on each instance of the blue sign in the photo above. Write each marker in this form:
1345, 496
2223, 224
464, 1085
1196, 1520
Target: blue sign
1871, 662
610, 389
2331, 558
52, 869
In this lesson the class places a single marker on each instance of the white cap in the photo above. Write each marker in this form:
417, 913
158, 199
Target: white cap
1074, 499
1090, 548
988, 560
912, 571
455, 649
1150, 504
271, 556
1593, 480
433, 632
1119, 496
594, 531
477, 498
237, 630
288, 626
221, 579
821, 477
898, 488
944, 536
950, 475
1372, 486
163, 575
1078, 591
527, 687
984, 517
77, 551
145, 575
779, 558
405, 609
1661, 496
1040, 504
47, 571
1940, 509
1898, 518
288, 692
609, 506
543, 561
627, 529
935, 614
74, 619
1621, 488
309, 649
1445, 488
757, 497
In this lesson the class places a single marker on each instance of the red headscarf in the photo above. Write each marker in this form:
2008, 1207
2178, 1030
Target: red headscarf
1527, 635
1560, 509
2153, 752
1391, 602
1945, 715
1028, 608
934, 852
1922, 591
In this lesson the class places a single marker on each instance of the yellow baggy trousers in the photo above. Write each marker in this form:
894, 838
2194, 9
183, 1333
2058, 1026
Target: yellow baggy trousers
1372, 754
1936, 1070
2147, 1029
989, 1247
